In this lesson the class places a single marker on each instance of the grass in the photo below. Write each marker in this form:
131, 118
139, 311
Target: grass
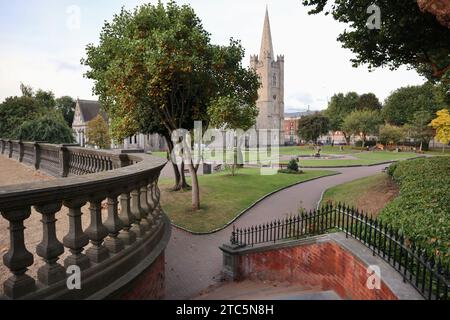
370, 194
223, 196
362, 158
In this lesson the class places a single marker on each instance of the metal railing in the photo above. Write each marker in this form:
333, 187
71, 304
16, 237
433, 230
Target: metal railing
427, 273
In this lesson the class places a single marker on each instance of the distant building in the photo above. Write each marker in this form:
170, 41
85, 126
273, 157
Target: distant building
291, 136
87, 110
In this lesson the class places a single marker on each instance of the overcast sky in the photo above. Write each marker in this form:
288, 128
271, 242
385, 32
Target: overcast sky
41, 44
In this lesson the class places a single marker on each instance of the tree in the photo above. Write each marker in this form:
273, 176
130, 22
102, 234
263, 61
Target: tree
313, 126
228, 113
403, 103
407, 36
98, 133
419, 128
45, 99
66, 105
48, 128
362, 123
442, 126
339, 107
391, 135
159, 57
369, 101
14, 111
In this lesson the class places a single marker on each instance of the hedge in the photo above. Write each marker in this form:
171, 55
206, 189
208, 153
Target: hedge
422, 210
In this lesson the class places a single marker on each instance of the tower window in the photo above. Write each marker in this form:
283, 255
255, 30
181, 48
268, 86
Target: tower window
274, 80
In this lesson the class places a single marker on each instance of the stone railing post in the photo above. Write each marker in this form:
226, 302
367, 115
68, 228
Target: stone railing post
3, 146
10, 144
113, 224
96, 233
37, 156
76, 239
50, 248
64, 158
21, 151
127, 235
120, 160
18, 258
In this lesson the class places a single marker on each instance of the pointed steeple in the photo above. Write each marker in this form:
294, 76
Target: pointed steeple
266, 43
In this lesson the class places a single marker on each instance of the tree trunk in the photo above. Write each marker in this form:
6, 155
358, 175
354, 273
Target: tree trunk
183, 185
195, 187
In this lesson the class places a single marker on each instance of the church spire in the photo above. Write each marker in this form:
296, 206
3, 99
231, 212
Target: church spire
266, 44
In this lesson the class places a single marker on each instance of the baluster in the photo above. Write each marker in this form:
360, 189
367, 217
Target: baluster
18, 258
113, 225
139, 225
76, 239
50, 248
145, 206
96, 233
126, 235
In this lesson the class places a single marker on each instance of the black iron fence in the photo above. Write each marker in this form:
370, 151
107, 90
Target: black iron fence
427, 273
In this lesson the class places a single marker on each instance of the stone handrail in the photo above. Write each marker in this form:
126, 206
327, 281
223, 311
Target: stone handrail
110, 254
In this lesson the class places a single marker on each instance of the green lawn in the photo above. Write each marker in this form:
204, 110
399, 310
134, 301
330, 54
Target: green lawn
370, 194
364, 158
223, 196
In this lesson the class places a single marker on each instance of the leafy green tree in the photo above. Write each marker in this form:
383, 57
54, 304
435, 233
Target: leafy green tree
313, 126
228, 113
403, 103
160, 57
407, 36
419, 130
362, 123
45, 99
339, 107
66, 105
98, 133
369, 101
46, 128
391, 135
14, 111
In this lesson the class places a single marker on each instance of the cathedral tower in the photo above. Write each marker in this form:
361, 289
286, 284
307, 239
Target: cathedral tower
271, 94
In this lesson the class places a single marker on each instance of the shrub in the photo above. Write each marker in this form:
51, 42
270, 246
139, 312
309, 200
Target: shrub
293, 165
422, 211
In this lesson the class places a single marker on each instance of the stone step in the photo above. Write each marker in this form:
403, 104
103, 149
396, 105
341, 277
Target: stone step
259, 290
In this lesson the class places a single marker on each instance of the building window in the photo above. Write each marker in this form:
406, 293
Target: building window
274, 80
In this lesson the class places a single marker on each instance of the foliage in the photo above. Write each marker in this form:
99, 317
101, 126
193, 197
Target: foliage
66, 105
98, 133
160, 58
339, 107
362, 123
419, 129
369, 101
442, 126
391, 135
50, 128
403, 103
406, 37
227, 113
422, 210
313, 126
292, 168
14, 111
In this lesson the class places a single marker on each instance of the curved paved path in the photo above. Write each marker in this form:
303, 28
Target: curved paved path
193, 263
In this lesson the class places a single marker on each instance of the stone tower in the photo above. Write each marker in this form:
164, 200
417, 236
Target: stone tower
271, 94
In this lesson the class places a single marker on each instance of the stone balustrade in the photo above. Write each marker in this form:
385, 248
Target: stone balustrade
127, 234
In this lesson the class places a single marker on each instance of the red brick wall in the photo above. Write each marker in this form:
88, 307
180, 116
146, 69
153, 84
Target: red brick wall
324, 266
150, 284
